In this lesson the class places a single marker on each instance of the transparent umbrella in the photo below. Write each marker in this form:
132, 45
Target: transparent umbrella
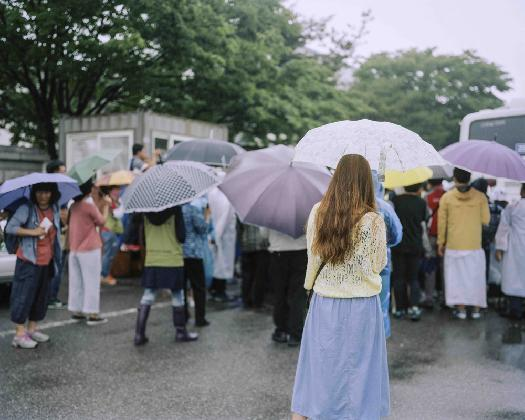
383, 144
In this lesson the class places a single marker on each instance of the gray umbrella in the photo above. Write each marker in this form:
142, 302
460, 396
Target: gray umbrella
441, 171
168, 185
267, 190
210, 152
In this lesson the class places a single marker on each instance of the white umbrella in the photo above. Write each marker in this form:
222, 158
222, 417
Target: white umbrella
168, 185
383, 144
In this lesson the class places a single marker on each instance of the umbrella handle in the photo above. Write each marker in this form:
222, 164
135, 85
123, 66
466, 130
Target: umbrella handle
382, 161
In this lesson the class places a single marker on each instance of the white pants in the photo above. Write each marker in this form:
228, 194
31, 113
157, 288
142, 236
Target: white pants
84, 281
465, 282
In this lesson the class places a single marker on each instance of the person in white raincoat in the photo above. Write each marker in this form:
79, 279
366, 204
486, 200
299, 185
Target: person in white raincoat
224, 222
510, 247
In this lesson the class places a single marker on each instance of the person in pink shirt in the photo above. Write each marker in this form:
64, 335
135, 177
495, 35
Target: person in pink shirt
85, 245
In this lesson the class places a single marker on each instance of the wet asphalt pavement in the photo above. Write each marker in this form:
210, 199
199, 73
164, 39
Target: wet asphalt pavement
439, 368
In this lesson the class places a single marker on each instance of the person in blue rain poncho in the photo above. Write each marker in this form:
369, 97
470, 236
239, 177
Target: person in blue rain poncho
394, 233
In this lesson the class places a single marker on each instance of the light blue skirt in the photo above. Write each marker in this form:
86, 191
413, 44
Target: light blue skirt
342, 372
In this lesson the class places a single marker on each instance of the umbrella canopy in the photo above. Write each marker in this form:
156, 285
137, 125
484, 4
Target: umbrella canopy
168, 185
19, 189
383, 144
486, 157
84, 170
210, 152
442, 171
116, 178
394, 179
267, 190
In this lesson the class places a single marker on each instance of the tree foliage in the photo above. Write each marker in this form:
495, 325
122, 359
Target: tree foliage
249, 64
239, 62
426, 92
74, 57
255, 73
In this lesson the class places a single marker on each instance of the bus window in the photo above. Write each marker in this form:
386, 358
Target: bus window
509, 131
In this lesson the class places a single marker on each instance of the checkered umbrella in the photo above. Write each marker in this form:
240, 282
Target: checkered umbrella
168, 185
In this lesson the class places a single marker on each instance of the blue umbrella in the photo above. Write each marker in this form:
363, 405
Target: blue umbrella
16, 190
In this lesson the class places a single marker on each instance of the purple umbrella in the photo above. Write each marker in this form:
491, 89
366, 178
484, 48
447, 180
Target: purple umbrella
17, 189
487, 157
267, 190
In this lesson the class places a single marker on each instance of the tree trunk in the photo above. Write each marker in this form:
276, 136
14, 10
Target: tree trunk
50, 137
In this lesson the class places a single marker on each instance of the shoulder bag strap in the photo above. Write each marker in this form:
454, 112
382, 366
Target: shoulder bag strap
311, 291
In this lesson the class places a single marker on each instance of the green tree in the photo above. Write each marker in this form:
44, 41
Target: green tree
74, 57
255, 74
244, 63
426, 92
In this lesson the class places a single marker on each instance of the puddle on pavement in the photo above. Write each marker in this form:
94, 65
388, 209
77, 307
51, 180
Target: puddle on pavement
506, 342
507, 415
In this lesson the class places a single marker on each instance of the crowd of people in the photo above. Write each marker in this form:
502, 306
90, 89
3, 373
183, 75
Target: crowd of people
430, 243
438, 252
450, 238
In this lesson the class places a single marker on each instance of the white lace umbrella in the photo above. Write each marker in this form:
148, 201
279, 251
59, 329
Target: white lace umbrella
383, 144
169, 185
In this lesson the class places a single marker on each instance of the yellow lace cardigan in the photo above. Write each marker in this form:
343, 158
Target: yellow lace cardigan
359, 275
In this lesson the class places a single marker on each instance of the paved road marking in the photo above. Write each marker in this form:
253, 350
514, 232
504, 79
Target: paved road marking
114, 314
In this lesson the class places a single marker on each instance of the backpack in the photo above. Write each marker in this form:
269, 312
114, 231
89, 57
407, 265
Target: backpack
12, 241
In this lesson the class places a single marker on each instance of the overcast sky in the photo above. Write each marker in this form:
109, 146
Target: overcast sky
495, 29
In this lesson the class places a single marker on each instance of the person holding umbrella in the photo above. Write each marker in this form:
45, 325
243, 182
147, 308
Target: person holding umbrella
159, 193
85, 246
342, 370
164, 234
36, 225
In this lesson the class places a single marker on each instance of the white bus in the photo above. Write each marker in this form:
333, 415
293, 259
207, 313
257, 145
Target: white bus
504, 125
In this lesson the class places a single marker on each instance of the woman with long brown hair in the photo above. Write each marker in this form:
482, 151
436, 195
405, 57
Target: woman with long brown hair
342, 370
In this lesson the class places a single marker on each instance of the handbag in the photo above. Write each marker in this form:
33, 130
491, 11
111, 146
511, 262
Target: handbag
311, 291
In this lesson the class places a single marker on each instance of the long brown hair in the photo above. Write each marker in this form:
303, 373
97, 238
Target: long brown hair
350, 195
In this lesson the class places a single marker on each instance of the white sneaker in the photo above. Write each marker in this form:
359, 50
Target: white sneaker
23, 342
475, 315
39, 337
460, 315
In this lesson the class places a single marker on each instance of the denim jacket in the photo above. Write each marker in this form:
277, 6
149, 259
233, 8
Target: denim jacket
27, 213
197, 230
394, 229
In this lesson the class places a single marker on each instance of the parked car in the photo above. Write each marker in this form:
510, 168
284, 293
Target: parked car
7, 261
